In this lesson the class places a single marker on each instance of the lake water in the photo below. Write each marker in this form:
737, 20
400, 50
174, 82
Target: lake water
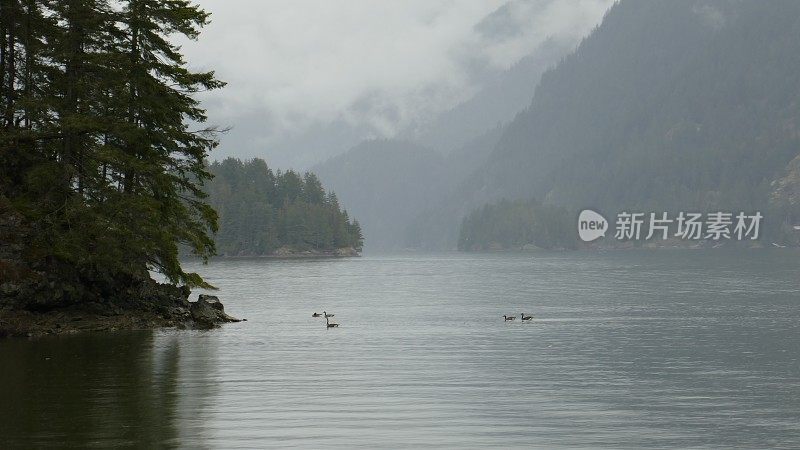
628, 349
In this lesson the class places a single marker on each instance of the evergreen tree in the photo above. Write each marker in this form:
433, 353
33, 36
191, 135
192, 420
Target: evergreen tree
97, 159
261, 212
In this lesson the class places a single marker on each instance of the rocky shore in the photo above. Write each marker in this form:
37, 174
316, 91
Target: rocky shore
150, 313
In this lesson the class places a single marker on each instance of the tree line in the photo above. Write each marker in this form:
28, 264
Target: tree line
517, 225
261, 211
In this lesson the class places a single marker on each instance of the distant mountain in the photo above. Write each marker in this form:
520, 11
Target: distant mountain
504, 96
383, 183
679, 105
391, 184
436, 227
432, 159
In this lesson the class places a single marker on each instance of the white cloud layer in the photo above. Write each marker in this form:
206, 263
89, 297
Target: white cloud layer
372, 65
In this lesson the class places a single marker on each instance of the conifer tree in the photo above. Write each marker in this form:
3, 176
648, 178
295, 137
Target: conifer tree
97, 157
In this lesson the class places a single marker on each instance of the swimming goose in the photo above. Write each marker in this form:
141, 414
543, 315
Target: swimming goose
525, 318
328, 315
330, 325
316, 314
509, 318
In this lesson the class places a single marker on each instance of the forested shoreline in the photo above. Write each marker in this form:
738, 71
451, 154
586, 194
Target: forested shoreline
517, 225
266, 213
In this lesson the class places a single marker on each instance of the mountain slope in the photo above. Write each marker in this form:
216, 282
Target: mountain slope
496, 103
667, 105
382, 182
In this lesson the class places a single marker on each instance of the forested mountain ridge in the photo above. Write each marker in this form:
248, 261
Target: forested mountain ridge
666, 106
262, 212
495, 104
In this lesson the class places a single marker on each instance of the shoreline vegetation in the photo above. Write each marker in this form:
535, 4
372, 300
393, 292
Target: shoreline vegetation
275, 213
103, 179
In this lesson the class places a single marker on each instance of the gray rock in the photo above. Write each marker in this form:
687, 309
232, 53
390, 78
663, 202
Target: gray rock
208, 311
202, 312
212, 300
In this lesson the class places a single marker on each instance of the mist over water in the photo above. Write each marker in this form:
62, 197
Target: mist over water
627, 349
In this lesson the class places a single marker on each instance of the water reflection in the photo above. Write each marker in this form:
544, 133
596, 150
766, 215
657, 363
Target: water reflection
629, 349
96, 390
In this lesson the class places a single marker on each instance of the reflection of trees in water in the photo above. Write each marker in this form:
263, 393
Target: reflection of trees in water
191, 397
93, 390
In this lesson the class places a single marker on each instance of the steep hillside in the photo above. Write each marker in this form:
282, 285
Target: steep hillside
667, 105
503, 97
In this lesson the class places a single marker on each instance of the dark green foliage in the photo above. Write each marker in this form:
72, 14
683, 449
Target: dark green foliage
680, 105
261, 211
517, 225
668, 105
96, 156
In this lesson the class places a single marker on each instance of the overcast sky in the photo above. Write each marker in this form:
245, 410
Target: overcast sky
308, 78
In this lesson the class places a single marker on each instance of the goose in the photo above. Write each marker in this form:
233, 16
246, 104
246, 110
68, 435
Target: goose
328, 315
316, 314
525, 318
330, 325
509, 318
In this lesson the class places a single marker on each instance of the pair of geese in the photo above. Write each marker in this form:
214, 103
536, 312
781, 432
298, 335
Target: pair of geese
524, 318
335, 325
328, 323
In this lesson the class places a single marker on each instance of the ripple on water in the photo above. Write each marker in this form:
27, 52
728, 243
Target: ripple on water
628, 349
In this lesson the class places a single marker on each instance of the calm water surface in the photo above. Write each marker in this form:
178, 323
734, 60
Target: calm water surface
628, 349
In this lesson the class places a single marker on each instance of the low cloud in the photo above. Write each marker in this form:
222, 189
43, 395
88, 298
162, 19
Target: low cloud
295, 65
